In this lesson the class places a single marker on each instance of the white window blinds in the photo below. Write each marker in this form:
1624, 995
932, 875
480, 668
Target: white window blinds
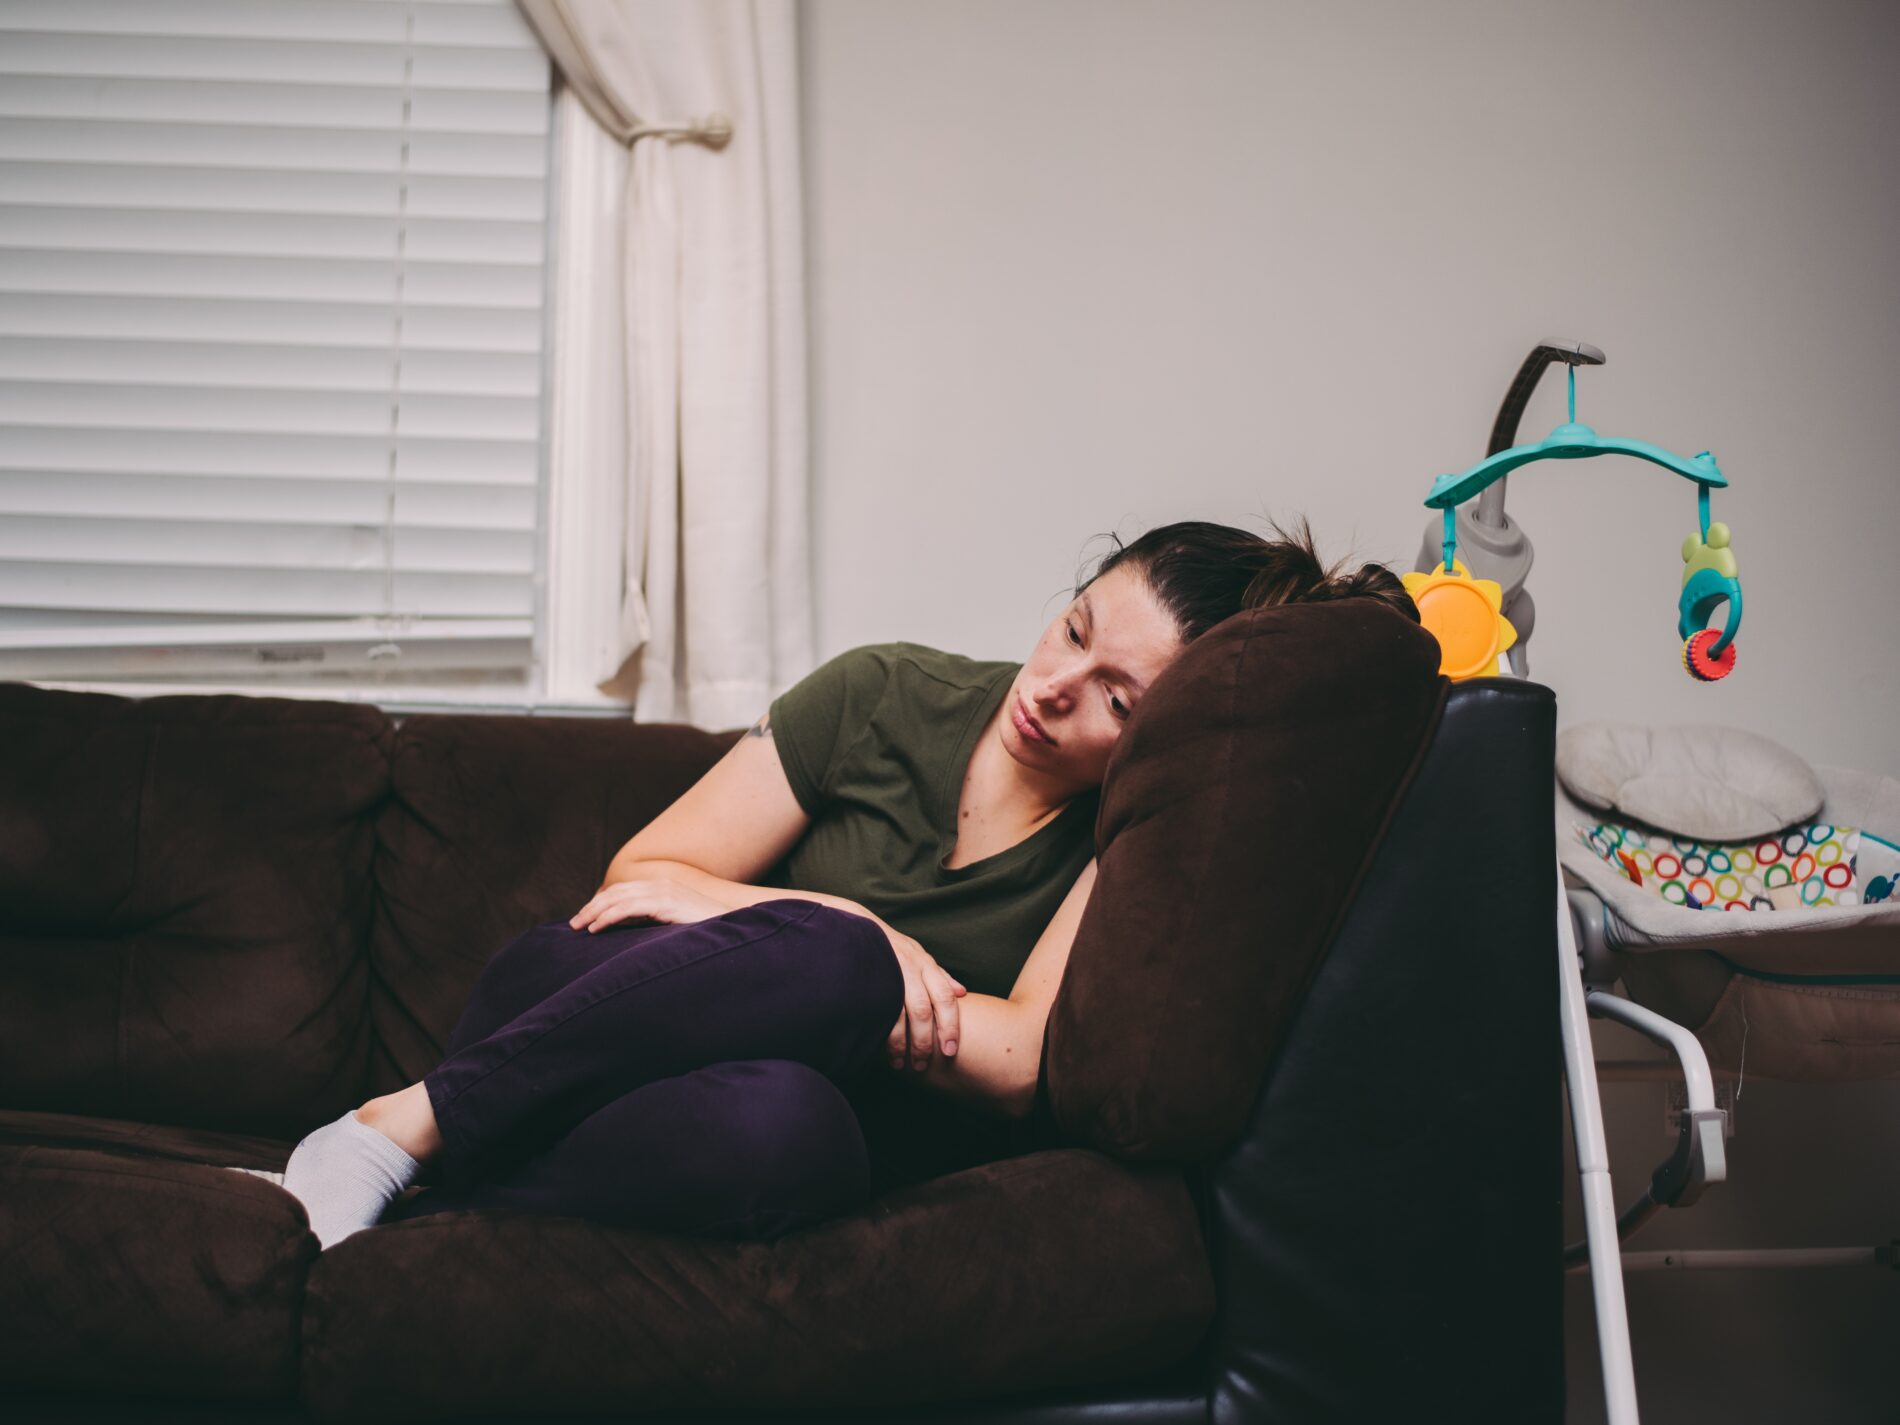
271, 339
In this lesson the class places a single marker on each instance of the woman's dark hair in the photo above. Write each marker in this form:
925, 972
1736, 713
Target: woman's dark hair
1202, 573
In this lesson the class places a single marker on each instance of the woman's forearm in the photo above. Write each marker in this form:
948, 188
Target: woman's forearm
999, 1054
730, 894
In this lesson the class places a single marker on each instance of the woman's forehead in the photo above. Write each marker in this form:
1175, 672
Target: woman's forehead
1127, 618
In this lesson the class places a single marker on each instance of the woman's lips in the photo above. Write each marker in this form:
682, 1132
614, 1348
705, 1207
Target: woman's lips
1028, 728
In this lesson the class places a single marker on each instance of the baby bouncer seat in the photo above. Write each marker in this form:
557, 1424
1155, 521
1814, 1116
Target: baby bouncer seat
1745, 901
1739, 892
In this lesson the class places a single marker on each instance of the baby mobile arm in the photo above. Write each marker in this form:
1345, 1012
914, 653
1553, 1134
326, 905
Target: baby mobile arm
1471, 614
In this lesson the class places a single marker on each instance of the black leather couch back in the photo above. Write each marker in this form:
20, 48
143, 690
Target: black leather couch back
1397, 1198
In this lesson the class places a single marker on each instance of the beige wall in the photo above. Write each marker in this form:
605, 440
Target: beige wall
1081, 266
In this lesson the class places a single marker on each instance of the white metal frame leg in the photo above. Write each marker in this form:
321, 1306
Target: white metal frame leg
1593, 1172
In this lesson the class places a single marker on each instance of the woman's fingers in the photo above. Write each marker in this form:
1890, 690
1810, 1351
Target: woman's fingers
624, 900
601, 917
898, 1041
903, 1039
929, 1023
920, 1015
610, 903
923, 1020
946, 1010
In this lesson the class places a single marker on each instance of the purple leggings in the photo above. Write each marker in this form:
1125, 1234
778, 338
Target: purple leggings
693, 1078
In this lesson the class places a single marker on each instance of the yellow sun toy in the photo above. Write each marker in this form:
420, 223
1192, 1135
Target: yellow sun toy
1465, 615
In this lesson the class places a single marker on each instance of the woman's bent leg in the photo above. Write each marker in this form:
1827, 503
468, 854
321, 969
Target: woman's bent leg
532, 966
786, 979
748, 1149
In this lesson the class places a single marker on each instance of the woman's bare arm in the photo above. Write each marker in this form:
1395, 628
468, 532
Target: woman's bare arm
730, 827
734, 823
730, 894
998, 1054
999, 1057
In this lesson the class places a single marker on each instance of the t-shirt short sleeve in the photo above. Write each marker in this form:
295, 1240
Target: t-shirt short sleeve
816, 720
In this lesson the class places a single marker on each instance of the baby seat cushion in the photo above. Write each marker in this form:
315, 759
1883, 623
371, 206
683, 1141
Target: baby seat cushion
1804, 991
1814, 864
1715, 784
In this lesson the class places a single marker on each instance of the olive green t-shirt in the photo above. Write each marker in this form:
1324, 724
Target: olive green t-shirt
875, 744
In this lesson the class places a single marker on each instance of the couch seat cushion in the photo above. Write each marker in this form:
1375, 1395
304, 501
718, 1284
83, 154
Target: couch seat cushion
1058, 1268
139, 1273
143, 1140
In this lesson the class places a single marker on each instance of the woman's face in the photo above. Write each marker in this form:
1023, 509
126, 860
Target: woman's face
1087, 674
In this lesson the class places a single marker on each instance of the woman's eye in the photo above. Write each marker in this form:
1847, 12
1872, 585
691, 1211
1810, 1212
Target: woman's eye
1115, 703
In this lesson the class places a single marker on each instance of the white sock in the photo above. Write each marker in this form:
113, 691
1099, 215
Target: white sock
346, 1174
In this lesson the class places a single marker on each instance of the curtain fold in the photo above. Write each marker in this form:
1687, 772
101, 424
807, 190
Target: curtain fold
714, 610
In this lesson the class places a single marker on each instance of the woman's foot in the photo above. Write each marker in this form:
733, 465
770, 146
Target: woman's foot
347, 1173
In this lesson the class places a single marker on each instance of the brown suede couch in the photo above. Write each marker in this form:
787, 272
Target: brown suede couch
1295, 1157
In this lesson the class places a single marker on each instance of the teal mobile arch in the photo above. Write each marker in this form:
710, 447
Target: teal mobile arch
1709, 575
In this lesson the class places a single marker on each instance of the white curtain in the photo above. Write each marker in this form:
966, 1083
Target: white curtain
714, 607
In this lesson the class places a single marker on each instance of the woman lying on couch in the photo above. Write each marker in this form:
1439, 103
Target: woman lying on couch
687, 1052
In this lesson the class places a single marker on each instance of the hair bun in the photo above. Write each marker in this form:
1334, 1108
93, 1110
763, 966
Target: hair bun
1370, 581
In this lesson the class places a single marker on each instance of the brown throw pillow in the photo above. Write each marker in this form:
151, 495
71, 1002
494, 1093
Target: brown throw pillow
1238, 810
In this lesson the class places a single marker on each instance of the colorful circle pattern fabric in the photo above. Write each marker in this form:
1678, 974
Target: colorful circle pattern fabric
1810, 866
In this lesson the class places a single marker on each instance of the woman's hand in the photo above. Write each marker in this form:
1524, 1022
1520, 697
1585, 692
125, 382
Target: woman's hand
929, 1019
648, 898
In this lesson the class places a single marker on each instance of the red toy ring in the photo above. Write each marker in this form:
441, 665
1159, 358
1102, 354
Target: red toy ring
1695, 657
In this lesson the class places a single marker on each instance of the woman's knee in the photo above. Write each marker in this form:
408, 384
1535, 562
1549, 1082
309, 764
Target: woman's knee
862, 953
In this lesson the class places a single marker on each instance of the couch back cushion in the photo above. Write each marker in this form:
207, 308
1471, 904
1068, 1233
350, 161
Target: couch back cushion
497, 824
185, 897
1239, 808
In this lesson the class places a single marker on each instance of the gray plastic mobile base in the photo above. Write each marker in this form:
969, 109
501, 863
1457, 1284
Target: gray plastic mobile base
1500, 551
1493, 545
